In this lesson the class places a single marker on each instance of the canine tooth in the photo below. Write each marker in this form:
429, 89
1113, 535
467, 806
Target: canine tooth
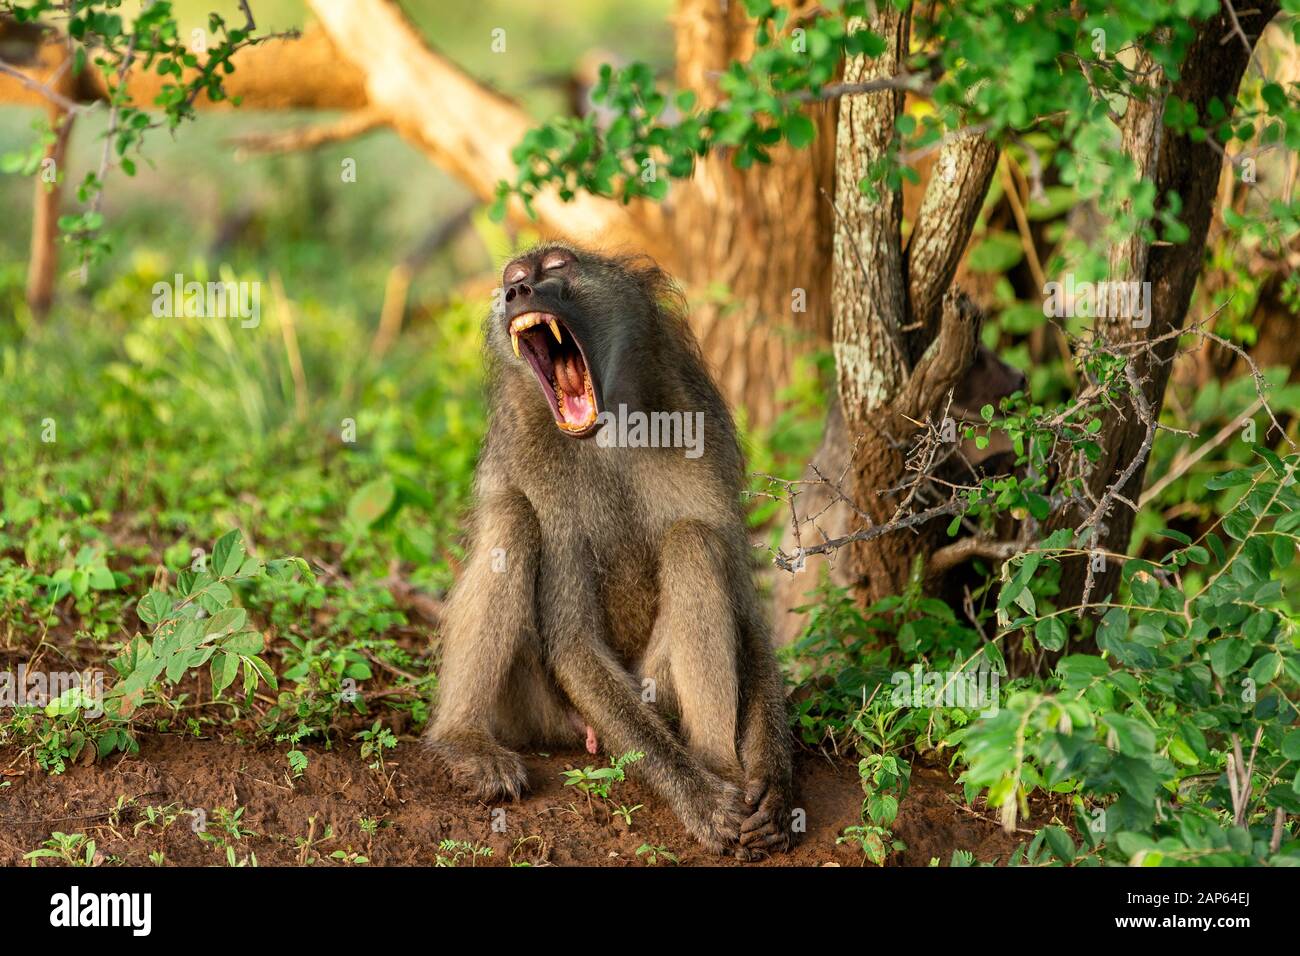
514, 340
555, 329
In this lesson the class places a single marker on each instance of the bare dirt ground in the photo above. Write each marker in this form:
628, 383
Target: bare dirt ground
416, 809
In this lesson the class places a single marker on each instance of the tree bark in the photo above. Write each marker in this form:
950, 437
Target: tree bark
1212, 69
761, 234
305, 73
462, 125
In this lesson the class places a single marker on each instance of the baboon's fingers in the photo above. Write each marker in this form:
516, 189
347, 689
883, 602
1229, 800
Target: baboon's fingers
757, 826
769, 809
759, 833
771, 841
754, 791
748, 852
758, 820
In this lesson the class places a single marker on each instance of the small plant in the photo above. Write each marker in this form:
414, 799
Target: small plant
885, 779
226, 828
349, 856
597, 782
234, 861
297, 763
652, 854
306, 845
625, 812
72, 849
373, 744
451, 852
198, 625
157, 818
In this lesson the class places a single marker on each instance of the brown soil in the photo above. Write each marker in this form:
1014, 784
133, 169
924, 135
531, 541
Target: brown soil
418, 809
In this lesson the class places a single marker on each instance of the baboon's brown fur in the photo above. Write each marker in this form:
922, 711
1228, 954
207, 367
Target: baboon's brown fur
615, 582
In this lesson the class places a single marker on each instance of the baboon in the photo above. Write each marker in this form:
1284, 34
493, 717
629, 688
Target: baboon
608, 592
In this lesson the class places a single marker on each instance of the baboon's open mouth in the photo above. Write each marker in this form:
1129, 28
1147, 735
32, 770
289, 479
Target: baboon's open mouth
561, 367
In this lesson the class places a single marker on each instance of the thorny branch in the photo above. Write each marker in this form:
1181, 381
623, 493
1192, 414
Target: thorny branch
928, 493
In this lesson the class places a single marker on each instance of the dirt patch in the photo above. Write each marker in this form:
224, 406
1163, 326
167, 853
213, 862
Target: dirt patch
416, 809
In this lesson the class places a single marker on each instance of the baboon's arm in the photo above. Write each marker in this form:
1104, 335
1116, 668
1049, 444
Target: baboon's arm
606, 696
765, 741
490, 615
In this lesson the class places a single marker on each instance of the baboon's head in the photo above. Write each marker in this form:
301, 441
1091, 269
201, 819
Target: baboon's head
594, 331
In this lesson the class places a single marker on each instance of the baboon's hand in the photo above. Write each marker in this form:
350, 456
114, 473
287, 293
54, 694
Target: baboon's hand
714, 813
768, 826
484, 769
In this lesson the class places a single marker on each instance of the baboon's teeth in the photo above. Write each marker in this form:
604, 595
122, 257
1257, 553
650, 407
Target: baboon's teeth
514, 341
525, 321
555, 329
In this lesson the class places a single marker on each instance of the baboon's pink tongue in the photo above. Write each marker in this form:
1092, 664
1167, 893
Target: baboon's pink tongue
575, 404
569, 374
576, 409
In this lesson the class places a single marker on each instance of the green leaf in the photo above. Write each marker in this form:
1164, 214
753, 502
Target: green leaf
224, 668
1228, 654
1051, 633
101, 578
995, 253
372, 502
246, 643
228, 555
1291, 745
1134, 738
1060, 842
1266, 668
226, 621
153, 607
800, 130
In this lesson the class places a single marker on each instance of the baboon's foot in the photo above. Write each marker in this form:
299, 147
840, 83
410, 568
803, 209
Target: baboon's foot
716, 817
483, 768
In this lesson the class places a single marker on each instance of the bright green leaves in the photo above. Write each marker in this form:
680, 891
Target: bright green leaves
228, 556
199, 624
885, 780
152, 40
1197, 657
88, 571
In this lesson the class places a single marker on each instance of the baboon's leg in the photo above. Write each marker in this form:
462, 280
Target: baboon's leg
489, 624
608, 698
764, 739
531, 711
692, 652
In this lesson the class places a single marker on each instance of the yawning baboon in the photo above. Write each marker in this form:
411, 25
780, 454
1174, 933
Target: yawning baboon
608, 588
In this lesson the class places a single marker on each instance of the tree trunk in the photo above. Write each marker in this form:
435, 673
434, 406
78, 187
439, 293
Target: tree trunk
1212, 70
760, 236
